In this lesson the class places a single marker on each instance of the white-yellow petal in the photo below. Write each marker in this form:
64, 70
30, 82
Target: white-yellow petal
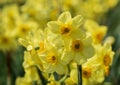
65, 17
77, 21
54, 26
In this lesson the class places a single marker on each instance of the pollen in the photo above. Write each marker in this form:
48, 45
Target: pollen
77, 45
107, 60
86, 72
51, 58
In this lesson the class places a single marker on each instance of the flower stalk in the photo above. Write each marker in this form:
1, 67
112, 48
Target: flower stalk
79, 68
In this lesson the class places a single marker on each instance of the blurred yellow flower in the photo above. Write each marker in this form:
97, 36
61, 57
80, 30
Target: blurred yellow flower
10, 16
23, 28
7, 42
98, 32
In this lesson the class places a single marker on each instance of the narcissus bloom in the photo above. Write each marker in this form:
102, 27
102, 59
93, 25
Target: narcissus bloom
104, 56
79, 51
33, 40
92, 73
51, 59
98, 32
23, 28
7, 42
67, 27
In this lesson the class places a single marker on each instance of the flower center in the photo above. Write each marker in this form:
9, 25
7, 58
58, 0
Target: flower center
65, 30
99, 37
77, 45
86, 72
106, 60
5, 40
24, 29
51, 58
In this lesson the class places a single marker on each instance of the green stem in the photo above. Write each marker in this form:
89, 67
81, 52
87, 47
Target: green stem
43, 79
8, 58
79, 68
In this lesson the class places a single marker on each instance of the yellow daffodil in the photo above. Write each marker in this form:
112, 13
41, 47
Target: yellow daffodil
7, 42
23, 28
67, 27
98, 32
92, 73
35, 45
51, 59
79, 51
33, 40
105, 55
33, 58
10, 16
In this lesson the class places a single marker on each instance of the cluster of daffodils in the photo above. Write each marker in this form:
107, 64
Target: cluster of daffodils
54, 55
52, 9
68, 51
17, 21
